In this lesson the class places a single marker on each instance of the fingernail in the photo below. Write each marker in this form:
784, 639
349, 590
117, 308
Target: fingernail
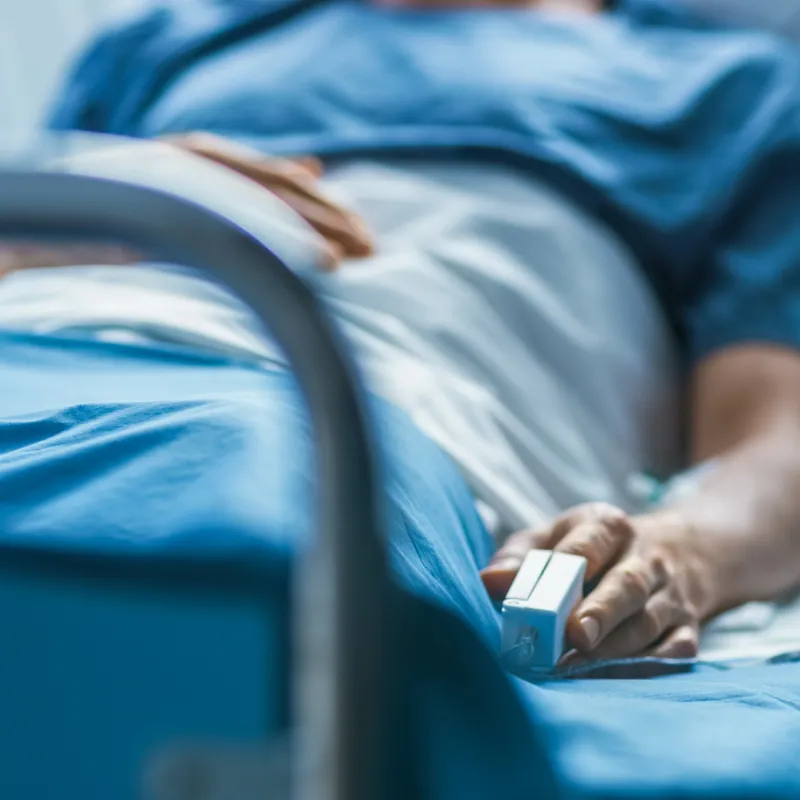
591, 629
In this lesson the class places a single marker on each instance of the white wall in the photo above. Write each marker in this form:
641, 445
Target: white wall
38, 40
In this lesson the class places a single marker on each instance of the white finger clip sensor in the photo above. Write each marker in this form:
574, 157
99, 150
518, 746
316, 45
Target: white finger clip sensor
538, 604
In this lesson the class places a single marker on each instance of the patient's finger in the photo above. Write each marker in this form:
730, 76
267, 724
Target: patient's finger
599, 538
339, 226
506, 562
238, 156
504, 566
295, 183
273, 173
311, 164
641, 630
269, 171
683, 642
516, 547
620, 594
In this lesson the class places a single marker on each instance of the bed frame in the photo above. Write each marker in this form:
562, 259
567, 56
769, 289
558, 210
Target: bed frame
341, 644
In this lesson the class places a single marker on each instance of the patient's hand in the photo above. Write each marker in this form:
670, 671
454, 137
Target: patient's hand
652, 582
293, 181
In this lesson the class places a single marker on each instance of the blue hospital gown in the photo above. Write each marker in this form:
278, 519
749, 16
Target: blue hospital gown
685, 138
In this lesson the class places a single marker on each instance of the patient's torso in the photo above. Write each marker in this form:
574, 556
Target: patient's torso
663, 130
516, 331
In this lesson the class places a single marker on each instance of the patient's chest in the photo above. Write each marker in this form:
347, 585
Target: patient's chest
346, 66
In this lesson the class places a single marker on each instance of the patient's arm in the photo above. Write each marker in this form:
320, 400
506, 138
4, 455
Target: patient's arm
746, 412
736, 539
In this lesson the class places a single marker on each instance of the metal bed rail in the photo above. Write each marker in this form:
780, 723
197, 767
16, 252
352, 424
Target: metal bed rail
340, 656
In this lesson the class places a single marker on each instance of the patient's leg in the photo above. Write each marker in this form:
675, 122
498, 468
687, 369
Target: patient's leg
198, 454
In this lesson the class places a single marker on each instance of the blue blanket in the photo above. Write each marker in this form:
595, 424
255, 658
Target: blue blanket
151, 457
140, 454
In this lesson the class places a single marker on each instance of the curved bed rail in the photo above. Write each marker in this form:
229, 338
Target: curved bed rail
340, 656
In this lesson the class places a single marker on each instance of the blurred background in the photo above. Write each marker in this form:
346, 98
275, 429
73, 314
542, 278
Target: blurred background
38, 41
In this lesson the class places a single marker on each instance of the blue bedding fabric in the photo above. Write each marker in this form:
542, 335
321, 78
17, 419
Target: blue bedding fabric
139, 454
684, 137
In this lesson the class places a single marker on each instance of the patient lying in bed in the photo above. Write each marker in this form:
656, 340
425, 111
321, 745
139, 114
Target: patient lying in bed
540, 318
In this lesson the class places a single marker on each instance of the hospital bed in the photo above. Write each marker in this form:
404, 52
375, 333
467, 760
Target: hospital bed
175, 696
147, 667
342, 651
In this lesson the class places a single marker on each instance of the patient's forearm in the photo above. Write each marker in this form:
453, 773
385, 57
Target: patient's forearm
746, 518
746, 515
